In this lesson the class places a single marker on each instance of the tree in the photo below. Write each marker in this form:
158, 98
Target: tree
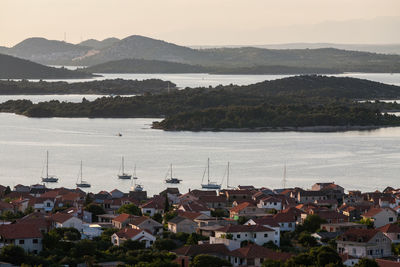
7, 190
95, 210
368, 222
157, 217
202, 260
164, 244
133, 244
242, 220
130, 209
13, 254
271, 263
271, 245
311, 224
364, 262
307, 240
166, 205
192, 240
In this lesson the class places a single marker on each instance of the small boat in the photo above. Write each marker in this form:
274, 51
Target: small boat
136, 187
124, 175
171, 179
49, 178
119, 134
209, 185
82, 183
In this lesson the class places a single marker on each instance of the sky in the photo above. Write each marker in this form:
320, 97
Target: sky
203, 22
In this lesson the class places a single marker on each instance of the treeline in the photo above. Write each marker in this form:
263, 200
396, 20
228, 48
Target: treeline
104, 87
291, 102
274, 116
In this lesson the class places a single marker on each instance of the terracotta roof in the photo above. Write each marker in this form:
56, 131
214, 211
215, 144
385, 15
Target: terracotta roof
189, 215
177, 219
387, 263
244, 228
253, 251
390, 228
129, 233
210, 199
122, 217
239, 192
194, 207
358, 235
20, 231
266, 220
71, 196
284, 217
157, 202
194, 250
139, 220
372, 212
5, 206
241, 206
271, 199
61, 217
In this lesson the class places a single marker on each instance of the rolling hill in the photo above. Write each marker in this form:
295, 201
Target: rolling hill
16, 68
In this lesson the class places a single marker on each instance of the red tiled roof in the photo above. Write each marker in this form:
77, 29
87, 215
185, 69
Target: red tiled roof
266, 220
61, 217
358, 235
194, 250
390, 228
20, 231
372, 212
194, 207
387, 263
129, 233
284, 217
241, 206
139, 220
244, 228
189, 215
253, 251
5, 206
122, 217
212, 199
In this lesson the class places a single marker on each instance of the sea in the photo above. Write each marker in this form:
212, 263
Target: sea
364, 160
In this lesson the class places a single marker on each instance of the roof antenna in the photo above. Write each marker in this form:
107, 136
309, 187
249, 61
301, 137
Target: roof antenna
284, 176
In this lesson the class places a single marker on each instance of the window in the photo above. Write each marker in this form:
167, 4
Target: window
390, 219
255, 235
354, 251
275, 203
48, 204
35, 252
151, 242
21, 242
35, 241
290, 224
238, 235
265, 235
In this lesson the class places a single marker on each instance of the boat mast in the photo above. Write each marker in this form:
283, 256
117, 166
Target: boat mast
284, 176
47, 164
123, 166
208, 170
171, 170
227, 177
81, 171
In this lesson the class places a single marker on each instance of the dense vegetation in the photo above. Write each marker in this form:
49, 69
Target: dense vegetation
157, 66
16, 68
105, 87
291, 102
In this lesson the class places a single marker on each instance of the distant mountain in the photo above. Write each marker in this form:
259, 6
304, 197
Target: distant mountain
49, 52
156, 66
16, 68
372, 48
96, 44
140, 47
145, 66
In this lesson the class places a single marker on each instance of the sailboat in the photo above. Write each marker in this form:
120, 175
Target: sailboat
136, 187
171, 179
82, 183
227, 172
209, 185
124, 175
48, 178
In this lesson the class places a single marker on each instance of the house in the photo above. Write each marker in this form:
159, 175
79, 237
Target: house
4, 207
124, 234
235, 195
353, 197
392, 231
361, 243
342, 227
22, 188
310, 196
324, 237
286, 220
195, 207
42, 204
146, 223
269, 222
330, 216
270, 203
182, 224
214, 202
191, 251
257, 234
380, 216
387, 263
327, 186
122, 220
62, 220
153, 206
116, 194
246, 209
26, 235
254, 255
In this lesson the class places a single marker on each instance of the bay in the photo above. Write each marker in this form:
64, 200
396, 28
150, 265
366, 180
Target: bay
365, 160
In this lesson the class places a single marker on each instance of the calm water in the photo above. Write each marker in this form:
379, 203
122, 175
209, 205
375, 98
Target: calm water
357, 160
193, 80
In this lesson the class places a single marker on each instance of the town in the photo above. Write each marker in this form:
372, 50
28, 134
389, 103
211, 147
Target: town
243, 226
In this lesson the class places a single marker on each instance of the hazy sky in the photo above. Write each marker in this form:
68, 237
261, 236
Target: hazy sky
201, 22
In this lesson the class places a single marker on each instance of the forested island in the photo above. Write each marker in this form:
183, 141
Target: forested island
104, 87
285, 104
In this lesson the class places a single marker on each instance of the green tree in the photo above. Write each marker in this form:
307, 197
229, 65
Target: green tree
157, 217
95, 210
307, 240
7, 190
164, 244
271, 263
13, 254
130, 209
311, 224
364, 262
242, 220
166, 205
133, 244
368, 222
202, 260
